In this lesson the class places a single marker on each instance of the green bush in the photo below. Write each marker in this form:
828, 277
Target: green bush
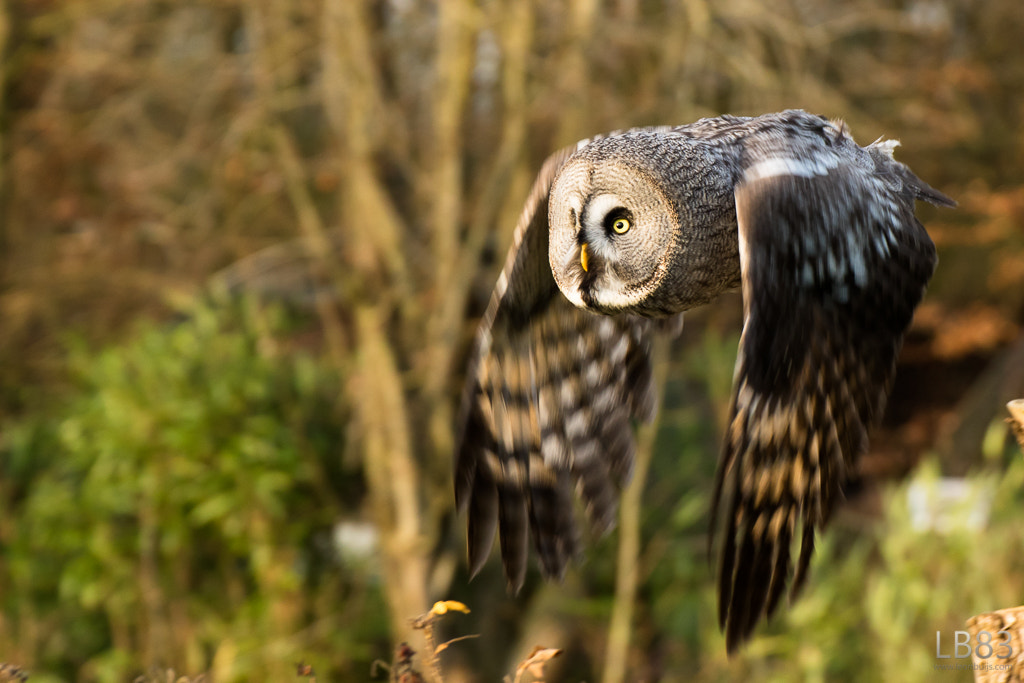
179, 511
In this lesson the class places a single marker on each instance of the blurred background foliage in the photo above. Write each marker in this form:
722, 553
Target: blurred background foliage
244, 246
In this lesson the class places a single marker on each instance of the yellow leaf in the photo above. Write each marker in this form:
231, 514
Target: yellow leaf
442, 607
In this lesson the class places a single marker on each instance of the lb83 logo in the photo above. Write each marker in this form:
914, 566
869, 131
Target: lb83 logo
986, 645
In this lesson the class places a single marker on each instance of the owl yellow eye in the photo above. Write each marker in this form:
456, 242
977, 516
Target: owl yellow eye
621, 225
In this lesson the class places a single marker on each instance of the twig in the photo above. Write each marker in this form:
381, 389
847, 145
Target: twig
425, 623
444, 646
627, 573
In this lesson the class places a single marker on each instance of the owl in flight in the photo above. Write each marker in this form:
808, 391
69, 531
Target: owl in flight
621, 234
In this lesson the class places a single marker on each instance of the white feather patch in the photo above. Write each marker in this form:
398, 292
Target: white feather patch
614, 293
779, 166
887, 146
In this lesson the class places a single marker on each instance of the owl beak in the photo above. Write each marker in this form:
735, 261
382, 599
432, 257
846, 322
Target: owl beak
583, 256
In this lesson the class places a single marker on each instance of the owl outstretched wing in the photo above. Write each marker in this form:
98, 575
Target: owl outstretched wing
547, 407
833, 264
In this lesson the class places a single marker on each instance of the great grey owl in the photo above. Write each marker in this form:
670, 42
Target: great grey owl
819, 232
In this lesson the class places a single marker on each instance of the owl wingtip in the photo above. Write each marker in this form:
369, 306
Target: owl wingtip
476, 564
734, 641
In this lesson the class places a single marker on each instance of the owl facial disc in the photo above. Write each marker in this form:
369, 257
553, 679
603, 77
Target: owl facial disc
610, 226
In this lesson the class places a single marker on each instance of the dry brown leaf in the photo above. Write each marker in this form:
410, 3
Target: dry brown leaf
534, 663
1016, 419
1004, 629
9, 672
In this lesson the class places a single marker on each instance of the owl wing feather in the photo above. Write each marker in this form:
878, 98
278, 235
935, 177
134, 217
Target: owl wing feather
833, 266
548, 402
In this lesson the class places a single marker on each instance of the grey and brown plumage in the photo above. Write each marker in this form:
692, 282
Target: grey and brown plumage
642, 225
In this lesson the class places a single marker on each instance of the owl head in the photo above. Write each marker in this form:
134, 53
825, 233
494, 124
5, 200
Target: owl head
611, 228
619, 211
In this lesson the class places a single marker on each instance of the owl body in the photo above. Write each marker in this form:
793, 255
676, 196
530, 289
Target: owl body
820, 234
688, 176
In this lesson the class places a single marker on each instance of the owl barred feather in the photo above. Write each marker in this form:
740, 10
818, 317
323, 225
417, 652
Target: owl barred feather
548, 403
647, 223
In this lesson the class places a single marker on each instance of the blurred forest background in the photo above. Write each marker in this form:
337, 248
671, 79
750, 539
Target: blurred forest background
244, 245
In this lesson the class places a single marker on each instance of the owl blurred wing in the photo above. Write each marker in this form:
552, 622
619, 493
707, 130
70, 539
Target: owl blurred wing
833, 264
549, 395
